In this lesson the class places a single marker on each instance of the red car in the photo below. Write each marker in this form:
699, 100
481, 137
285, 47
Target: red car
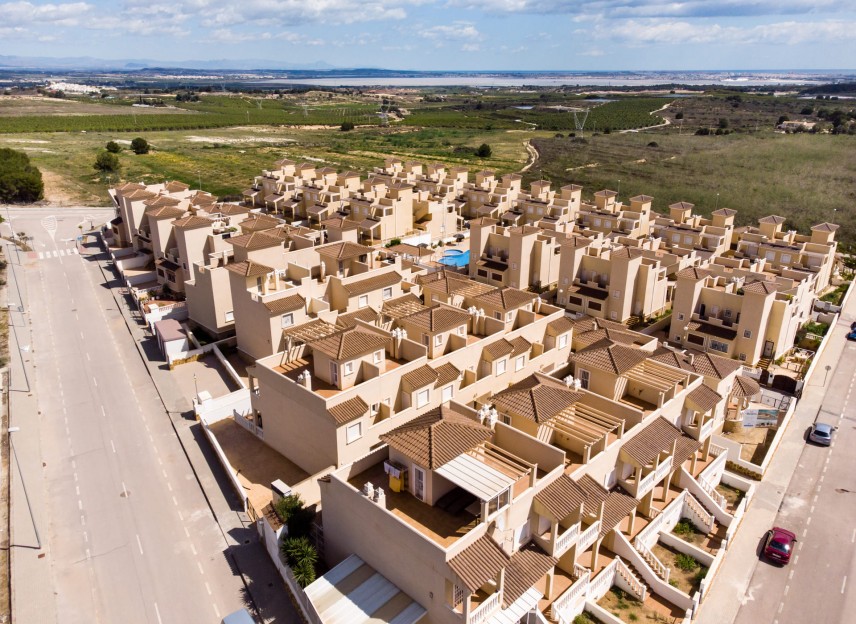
779, 545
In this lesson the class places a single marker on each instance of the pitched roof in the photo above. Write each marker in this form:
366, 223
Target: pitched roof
745, 387
446, 373
560, 326
164, 212
617, 506
285, 304
232, 209
349, 410
585, 339
705, 364
693, 273
536, 399
478, 563
350, 343
498, 349
774, 219
562, 497
704, 398
248, 268
760, 287
257, 223
339, 223
343, 250
175, 186
161, 200
724, 212
438, 318
526, 567
420, 377
437, 437
363, 314
255, 240
454, 284
614, 358
404, 305
682, 205
192, 222
656, 438
825, 227
506, 298
369, 284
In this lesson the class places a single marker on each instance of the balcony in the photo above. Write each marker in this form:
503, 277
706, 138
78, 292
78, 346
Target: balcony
485, 609
588, 536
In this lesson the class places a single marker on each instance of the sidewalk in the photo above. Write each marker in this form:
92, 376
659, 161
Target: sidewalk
729, 588
265, 588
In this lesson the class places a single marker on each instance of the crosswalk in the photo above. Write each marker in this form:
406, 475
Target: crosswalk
58, 253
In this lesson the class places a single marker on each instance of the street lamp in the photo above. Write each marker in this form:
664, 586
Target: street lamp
12, 430
195, 385
826, 368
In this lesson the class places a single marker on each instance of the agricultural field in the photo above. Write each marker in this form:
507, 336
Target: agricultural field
32, 106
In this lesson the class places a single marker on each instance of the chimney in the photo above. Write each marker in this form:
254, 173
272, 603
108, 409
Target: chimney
691, 358
380, 497
368, 490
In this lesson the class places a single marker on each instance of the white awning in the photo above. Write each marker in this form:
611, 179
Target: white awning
370, 597
516, 611
476, 477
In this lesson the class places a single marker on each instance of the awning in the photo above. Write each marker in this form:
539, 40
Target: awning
476, 477
369, 597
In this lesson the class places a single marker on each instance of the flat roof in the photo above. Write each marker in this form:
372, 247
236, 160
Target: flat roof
476, 477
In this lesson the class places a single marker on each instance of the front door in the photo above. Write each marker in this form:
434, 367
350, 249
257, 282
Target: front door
768, 349
334, 373
419, 483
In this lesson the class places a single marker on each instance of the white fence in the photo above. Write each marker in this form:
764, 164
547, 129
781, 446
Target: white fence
176, 310
271, 541
569, 604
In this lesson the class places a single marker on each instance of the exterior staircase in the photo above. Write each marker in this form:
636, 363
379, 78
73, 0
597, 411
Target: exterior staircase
764, 363
634, 321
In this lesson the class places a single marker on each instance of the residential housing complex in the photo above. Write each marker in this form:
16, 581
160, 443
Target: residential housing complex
490, 441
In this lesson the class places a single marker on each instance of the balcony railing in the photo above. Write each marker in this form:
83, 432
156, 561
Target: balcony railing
588, 537
706, 429
569, 601
646, 484
718, 498
485, 609
566, 540
663, 469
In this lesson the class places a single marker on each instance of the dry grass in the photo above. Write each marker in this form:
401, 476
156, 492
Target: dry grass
27, 106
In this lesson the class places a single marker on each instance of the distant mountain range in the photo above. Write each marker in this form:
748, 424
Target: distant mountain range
88, 63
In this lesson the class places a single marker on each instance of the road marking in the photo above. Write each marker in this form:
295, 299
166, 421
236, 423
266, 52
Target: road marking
853, 537
207, 588
80, 504
88, 359
787, 589
75, 477
808, 521
199, 565
181, 517
95, 381
113, 446
74, 465
82, 520
86, 537
791, 573
824, 468
814, 500
843, 583
55, 254
41, 256
812, 509
77, 489
804, 532
821, 479
175, 501
163, 472
157, 613
103, 413
216, 611
81, 335
781, 605
88, 555
124, 490
139, 544
193, 549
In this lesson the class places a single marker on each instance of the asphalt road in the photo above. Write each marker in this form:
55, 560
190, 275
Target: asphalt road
126, 532
819, 585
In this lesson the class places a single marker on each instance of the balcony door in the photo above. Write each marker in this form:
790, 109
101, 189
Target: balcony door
334, 373
419, 483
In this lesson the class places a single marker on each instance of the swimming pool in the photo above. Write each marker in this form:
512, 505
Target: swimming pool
456, 258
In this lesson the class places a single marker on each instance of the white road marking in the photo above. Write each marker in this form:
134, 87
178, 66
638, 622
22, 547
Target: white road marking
85, 537
812, 509
843, 584
169, 486
157, 613
55, 254
787, 589
208, 588
814, 500
75, 477
186, 532
95, 381
124, 490
88, 555
216, 611
853, 537
88, 359
82, 520
181, 517
804, 532
781, 605
791, 573
175, 501
41, 256
113, 446
808, 521
80, 504
103, 413
199, 565
139, 544
193, 549
74, 465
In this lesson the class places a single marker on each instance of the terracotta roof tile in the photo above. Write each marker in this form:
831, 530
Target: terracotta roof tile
774, 219
760, 287
350, 319
520, 345
350, 343
560, 326
498, 349
162, 200
288, 303
693, 273
248, 268
164, 212
745, 387
561, 498
535, 400
420, 377
255, 240
505, 298
232, 209
192, 222
656, 438
349, 410
478, 563
258, 223
369, 284
617, 506
176, 187
705, 364
437, 319
825, 227
615, 358
446, 374
344, 250
682, 205
526, 567
437, 437
703, 398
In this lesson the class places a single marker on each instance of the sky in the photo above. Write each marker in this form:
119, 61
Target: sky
446, 34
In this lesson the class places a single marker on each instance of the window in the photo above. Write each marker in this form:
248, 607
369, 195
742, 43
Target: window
616, 294
694, 339
422, 397
565, 281
448, 393
349, 368
563, 341
458, 594
501, 365
747, 333
584, 379
230, 316
462, 330
514, 265
363, 301
287, 319
680, 316
498, 502
786, 258
387, 292
509, 316
378, 357
719, 346
520, 362
742, 357
497, 316
374, 409
771, 256
678, 337
676, 238
438, 340
607, 223
482, 273
353, 432
597, 222
426, 339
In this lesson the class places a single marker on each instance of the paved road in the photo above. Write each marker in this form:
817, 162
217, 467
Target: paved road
127, 533
820, 507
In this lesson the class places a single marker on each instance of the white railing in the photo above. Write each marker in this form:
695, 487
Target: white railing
602, 582
534, 617
652, 560
485, 609
695, 508
588, 537
636, 587
570, 600
566, 540
249, 425
717, 450
580, 570
663, 469
706, 429
715, 466
673, 511
718, 498
646, 484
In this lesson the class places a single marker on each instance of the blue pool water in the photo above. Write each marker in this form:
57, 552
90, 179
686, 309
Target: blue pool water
456, 257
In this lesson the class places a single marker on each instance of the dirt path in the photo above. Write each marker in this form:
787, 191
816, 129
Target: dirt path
533, 155
665, 123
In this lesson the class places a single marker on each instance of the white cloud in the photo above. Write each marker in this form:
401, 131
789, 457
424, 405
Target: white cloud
470, 47
457, 31
675, 32
26, 13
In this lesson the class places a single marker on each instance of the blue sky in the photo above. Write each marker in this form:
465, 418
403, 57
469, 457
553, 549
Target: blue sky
446, 34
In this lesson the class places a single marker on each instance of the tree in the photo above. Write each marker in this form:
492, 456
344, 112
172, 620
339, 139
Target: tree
782, 119
113, 147
107, 162
723, 123
140, 146
301, 557
20, 181
679, 115
346, 126
484, 151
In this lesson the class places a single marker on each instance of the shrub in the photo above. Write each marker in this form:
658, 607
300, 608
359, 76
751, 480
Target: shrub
107, 162
113, 147
679, 115
685, 562
301, 557
653, 144
140, 146
684, 527
393, 242
20, 180
699, 576
346, 126
286, 506
484, 151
